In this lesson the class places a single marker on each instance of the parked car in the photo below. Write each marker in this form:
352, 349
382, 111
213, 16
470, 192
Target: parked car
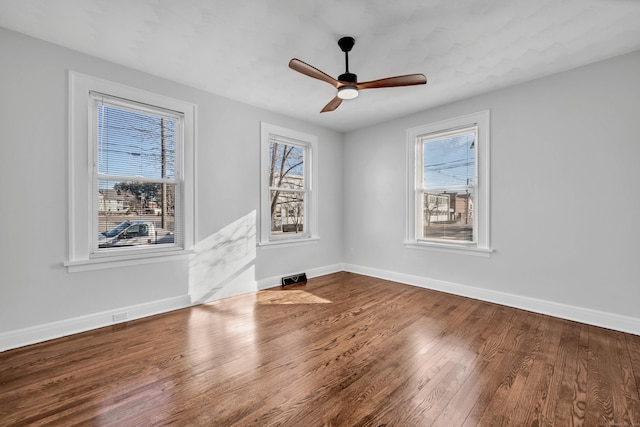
128, 233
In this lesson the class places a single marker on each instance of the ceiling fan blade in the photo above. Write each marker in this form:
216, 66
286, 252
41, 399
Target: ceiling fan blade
332, 105
308, 70
407, 80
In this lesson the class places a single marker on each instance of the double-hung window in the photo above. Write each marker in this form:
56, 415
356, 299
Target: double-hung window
131, 175
449, 184
446, 189
289, 193
135, 172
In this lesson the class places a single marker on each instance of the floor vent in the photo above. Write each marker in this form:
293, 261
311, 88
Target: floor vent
295, 279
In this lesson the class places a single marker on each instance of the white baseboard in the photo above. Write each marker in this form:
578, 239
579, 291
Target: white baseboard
40, 333
271, 282
579, 314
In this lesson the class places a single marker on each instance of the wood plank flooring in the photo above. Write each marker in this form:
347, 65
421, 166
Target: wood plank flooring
342, 350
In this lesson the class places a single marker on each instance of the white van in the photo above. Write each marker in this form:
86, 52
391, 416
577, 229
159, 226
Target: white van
129, 233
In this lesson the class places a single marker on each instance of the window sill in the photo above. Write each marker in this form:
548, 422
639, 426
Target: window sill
124, 261
454, 249
289, 242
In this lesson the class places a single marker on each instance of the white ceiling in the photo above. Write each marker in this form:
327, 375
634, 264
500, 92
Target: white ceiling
240, 48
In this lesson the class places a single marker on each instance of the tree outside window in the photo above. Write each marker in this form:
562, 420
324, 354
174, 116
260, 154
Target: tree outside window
287, 187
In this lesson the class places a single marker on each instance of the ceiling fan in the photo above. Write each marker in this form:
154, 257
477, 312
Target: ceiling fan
347, 83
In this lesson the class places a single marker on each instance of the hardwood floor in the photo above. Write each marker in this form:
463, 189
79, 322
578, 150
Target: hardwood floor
342, 350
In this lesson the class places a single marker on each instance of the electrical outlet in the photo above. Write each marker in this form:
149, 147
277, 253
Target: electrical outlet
119, 317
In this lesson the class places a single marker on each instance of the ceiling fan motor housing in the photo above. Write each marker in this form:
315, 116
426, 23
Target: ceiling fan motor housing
348, 77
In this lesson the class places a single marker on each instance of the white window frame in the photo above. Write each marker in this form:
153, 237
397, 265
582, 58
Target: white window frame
415, 137
310, 144
82, 213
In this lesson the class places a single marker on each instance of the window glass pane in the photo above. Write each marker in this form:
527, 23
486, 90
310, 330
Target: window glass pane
448, 216
287, 212
449, 160
286, 165
132, 143
133, 213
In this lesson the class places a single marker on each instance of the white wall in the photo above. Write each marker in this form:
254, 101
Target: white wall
565, 211
564, 227
36, 290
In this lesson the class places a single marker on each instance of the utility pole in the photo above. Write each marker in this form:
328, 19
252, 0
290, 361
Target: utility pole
163, 203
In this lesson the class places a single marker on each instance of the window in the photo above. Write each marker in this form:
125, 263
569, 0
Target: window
135, 174
130, 175
448, 189
288, 177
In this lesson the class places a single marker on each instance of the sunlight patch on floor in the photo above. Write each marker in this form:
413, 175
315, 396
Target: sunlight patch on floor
289, 297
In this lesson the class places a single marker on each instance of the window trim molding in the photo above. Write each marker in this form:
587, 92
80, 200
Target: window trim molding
80, 223
483, 245
311, 205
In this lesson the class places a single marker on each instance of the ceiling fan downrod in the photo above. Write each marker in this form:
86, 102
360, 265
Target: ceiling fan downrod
346, 44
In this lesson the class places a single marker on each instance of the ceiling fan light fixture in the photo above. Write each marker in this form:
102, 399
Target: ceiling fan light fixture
347, 92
